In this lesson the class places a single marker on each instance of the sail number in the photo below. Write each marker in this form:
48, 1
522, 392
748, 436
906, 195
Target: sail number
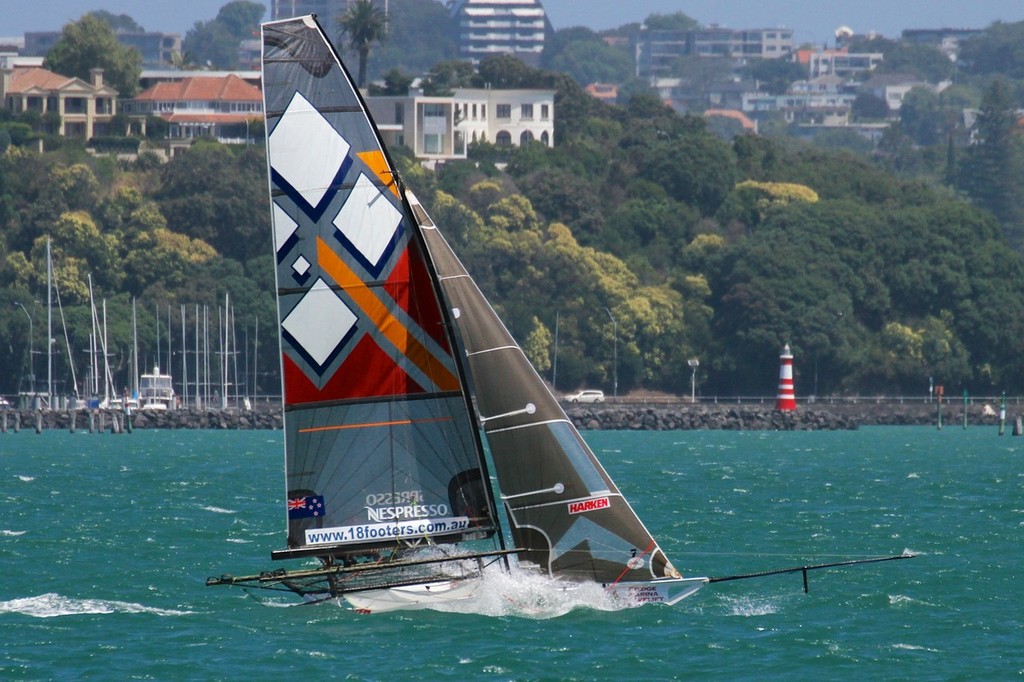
394, 497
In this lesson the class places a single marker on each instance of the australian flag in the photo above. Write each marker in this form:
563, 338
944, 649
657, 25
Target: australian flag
305, 507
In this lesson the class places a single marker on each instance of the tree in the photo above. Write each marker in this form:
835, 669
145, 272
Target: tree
594, 61
215, 43
774, 75
991, 167
677, 21
121, 23
999, 51
921, 117
90, 43
444, 77
364, 25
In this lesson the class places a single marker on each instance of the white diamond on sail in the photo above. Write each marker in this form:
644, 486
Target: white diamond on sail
284, 227
368, 220
303, 129
319, 322
301, 266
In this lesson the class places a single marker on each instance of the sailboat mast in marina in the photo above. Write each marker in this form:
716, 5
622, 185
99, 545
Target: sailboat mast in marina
395, 368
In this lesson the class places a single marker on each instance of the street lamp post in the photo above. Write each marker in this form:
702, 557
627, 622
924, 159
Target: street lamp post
694, 364
615, 354
31, 350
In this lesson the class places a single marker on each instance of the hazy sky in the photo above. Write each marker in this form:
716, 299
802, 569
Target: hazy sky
812, 20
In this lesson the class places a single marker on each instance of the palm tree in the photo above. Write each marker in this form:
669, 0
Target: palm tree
364, 25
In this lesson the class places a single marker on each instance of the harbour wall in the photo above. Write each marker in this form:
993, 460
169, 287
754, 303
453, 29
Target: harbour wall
606, 416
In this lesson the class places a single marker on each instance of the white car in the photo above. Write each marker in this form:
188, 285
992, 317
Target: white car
585, 397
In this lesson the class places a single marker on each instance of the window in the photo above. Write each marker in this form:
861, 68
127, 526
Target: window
544, 113
526, 112
504, 111
399, 113
503, 139
432, 143
433, 110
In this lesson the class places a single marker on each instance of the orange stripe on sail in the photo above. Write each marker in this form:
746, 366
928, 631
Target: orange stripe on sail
399, 422
379, 165
393, 330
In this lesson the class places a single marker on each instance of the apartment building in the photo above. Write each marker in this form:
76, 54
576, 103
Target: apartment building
492, 27
656, 50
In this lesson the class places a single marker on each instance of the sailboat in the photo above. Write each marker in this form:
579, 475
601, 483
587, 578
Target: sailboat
393, 362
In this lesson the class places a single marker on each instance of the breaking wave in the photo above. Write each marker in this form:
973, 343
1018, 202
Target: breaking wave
52, 605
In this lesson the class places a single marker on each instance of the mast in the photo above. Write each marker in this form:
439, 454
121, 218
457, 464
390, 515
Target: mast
93, 343
157, 316
184, 361
199, 399
135, 352
49, 327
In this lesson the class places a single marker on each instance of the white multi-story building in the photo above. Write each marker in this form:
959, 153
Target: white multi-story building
441, 128
658, 49
491, 27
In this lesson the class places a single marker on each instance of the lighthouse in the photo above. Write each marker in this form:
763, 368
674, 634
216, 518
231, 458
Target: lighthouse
785, 401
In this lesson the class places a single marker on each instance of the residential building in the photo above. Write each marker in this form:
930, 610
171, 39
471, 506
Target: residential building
893, 87
656, 50
606, 92
946, 39
441, 128
492, 27
84, 109
200, 106
838, 62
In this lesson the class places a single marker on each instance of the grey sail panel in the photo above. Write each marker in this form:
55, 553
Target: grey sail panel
380, 443
566, 513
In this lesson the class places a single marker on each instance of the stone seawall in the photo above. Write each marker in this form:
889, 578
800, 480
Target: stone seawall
606, 416
758, 417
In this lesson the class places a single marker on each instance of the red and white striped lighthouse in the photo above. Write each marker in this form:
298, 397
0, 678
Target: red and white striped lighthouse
785, 401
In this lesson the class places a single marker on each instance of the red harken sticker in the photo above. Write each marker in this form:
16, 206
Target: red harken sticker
589, 505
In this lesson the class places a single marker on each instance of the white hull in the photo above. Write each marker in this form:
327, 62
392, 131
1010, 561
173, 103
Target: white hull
429, 595
412, 597
668, 591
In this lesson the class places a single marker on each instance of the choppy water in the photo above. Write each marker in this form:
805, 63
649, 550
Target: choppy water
105, 543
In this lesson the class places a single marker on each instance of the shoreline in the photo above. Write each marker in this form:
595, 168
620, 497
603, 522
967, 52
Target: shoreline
681, 416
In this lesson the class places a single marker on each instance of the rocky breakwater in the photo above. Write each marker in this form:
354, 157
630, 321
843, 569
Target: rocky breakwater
263, 417
707, 417
625, 416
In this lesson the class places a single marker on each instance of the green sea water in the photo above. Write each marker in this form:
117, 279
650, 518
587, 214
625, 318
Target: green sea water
106, 541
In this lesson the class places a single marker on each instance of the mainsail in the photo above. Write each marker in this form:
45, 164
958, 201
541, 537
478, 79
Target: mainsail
382, 450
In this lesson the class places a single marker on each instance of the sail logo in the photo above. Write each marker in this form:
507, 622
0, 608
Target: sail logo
589, 505
417, 511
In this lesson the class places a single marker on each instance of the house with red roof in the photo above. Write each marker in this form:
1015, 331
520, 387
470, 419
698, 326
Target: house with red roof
219, 106
84, 109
